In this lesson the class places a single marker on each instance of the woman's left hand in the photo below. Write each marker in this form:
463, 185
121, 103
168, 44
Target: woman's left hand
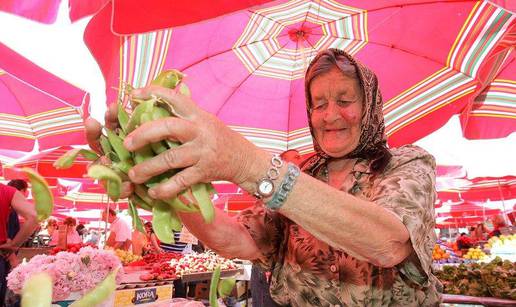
210, 150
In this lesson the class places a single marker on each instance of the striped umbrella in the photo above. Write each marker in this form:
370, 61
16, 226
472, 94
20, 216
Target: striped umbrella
493, 111
247, 66
37, 105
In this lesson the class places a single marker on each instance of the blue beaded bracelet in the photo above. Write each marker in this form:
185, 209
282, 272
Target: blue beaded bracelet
281, 194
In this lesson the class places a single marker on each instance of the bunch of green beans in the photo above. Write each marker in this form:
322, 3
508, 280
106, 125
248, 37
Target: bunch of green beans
112, 173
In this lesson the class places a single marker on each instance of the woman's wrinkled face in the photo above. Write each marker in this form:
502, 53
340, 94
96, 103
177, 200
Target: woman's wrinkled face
336, 112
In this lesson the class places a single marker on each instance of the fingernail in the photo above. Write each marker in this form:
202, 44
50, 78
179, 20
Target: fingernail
128, 142
152, 193
131, 174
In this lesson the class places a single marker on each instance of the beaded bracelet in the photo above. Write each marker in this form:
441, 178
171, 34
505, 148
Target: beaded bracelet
281, 194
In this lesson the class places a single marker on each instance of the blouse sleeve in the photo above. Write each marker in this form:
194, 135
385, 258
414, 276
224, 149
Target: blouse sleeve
407, 189
267, 230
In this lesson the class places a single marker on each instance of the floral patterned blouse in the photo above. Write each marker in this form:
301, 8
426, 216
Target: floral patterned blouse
309, 272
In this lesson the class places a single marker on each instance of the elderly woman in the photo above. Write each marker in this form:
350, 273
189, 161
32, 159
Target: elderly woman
354, 228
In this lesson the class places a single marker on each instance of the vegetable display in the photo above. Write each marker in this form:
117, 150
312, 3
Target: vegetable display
113, 168
496, 278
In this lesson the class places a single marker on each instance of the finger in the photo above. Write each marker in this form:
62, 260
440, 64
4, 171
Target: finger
127, 189
176, 184
170, 128
179, 157
111, 116
183, 105
93, 132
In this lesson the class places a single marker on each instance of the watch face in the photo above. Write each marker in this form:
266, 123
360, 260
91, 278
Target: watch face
266, 187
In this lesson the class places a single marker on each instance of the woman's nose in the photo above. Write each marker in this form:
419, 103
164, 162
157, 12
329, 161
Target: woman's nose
332, 111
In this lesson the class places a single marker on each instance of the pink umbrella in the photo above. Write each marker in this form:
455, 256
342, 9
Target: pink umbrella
44, 11
37, 105
247, 66
493, 111
481, 189
465, 209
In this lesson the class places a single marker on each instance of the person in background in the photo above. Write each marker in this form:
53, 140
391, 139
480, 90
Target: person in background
82, 231
464, 242
119, 231
72, 237
152, 241
498, 224
12, 199
480, 233
52, 226
140, 240
13, 225
259, 279
93, 237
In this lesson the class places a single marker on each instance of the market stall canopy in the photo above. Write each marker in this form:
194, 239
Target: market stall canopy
38, 106
247, 66
43, 161
480, 190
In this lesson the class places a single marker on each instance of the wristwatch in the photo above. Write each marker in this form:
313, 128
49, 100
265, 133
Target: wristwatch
265, 186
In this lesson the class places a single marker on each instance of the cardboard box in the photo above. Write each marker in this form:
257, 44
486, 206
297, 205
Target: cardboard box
137, 296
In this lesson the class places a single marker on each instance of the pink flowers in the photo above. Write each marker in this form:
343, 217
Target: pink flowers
70, 272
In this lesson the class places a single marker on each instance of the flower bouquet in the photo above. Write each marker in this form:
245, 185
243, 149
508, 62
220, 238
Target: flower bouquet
71, 272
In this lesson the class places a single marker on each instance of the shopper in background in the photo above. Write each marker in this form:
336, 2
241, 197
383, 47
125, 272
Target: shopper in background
480, 233
498, 225
153, 246
139, 240
119, 231
72, 237
12, 199
52, 229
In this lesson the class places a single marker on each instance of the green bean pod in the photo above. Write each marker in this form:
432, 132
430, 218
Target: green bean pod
183, 89
112, 181
43, 199
135, 119
175, 221
141, 191
215, 277
66, 160
168, 78
140, 203
118, 145
143, 154
226, 286
177, 205
123, 166
37, 291
123, 117
162, 222
137, 223
100, 293
202, 195
105, 145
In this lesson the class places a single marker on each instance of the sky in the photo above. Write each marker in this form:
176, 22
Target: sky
59, 48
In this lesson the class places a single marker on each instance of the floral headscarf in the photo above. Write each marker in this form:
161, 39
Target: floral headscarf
372, 143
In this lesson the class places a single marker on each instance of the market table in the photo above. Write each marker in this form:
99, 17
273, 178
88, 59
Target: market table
485, 301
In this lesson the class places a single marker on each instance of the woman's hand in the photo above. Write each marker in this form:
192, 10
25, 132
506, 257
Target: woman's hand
210, 150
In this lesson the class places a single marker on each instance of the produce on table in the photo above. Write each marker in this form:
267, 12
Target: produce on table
503, 246
127, 257
71, 248
496, 278
37, 291
438, 253
152, 259
475, 254
112, 169
203, 262
160, 271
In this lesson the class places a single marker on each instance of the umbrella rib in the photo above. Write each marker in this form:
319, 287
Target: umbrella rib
244, 80
396, 5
